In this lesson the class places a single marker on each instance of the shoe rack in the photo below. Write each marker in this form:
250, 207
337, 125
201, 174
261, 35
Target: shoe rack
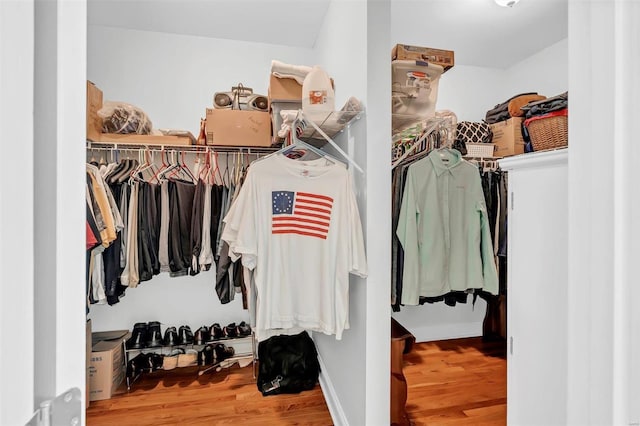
245, 348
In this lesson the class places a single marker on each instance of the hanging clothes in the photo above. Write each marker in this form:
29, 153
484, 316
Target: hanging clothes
138, 227
296, 223
444, 229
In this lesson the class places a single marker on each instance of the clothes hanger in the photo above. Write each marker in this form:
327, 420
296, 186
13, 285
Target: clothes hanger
331, 141
186, 169
296, 143
216, 171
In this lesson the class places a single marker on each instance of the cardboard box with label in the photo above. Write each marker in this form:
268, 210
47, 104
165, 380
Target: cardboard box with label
238, 128
507, 137
107, 364
425, 54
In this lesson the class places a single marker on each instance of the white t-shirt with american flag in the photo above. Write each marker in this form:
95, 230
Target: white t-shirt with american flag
296, 224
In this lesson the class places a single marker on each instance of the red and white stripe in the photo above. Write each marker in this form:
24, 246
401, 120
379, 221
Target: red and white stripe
311, 216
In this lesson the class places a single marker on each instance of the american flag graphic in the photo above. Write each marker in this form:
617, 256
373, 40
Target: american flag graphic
301, 213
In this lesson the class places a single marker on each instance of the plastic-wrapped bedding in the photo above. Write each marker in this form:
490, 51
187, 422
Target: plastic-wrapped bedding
123, 118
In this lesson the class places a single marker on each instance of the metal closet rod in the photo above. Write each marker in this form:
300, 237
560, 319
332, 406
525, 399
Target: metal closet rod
188, 148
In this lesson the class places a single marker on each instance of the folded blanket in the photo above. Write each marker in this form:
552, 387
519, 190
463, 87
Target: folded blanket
282, 70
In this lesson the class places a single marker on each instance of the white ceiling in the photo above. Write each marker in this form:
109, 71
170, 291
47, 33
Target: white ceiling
286, 22
480, 32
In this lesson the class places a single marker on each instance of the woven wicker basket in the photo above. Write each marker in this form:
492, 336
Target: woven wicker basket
548, 131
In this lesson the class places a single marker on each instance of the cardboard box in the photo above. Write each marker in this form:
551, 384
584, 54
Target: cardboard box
507, 137
284, 90
107, 365
238, 128
94, 103
445, 58
88, 361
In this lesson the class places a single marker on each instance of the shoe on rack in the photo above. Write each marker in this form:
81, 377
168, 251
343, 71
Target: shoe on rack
170, 336
190, 357
138, 339
138, 365
206, 355
156, 361
244, 329
223, 352
202, 335
154, 335
169, 362
216, 331
231, 330
185, 335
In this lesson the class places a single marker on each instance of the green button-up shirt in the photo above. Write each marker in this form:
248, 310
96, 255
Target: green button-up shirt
444, 229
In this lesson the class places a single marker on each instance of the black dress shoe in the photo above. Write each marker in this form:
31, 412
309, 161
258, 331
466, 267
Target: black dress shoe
231, 330
137, 365
138, 339
154, 335
202, 335
206, 355
156, 361
185, 335
244, 329
170, 336
216, 331
223, 352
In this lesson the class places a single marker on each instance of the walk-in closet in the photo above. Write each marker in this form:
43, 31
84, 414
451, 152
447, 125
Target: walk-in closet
571, 332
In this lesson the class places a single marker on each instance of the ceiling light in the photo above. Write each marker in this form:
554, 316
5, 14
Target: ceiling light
506, 3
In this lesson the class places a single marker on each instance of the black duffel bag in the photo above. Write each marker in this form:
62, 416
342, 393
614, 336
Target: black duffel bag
288, 364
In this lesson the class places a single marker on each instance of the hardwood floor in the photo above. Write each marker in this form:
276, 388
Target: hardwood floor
450, 382
462, 381
180, 397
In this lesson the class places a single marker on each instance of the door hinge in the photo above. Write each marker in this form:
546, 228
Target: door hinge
65, 409
511, 200
511, 345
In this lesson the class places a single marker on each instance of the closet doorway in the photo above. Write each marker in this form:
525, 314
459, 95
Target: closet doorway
490, 67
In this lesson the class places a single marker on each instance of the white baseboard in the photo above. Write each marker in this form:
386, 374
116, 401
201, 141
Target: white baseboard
331, 397
427, 333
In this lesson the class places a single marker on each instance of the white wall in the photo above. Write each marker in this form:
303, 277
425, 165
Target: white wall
59, 203
469, 92
173, 79
546, 72
344, 375
16, 224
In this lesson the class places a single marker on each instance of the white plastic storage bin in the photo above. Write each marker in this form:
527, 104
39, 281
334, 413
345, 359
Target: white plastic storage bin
414, 88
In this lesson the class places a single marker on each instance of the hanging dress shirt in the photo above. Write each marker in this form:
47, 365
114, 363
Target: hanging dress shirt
444, 229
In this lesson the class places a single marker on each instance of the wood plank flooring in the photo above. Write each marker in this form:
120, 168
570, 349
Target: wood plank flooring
462, 381
180, 397
450, 382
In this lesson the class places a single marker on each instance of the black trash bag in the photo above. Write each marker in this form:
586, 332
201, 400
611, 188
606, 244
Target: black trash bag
288, 364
